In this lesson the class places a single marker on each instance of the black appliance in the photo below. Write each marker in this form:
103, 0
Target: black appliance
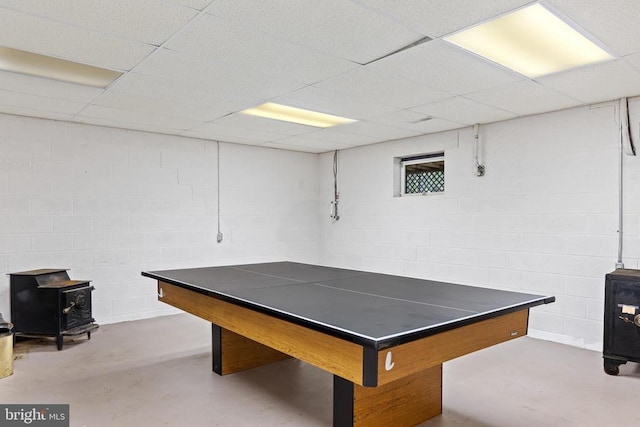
621, 319
46, 302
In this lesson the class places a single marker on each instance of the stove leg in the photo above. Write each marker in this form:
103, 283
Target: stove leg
59, 342
89, 335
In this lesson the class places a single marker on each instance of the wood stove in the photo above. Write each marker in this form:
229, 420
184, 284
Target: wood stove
46, 302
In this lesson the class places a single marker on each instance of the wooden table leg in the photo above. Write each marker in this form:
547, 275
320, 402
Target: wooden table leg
404, 402
235, 353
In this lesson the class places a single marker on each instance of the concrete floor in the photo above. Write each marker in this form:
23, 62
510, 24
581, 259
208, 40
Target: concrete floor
158, 372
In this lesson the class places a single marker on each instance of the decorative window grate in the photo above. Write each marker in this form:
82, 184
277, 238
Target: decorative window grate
423, 174
425, 178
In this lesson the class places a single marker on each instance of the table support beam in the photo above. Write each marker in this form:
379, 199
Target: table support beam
235, 353
407, 401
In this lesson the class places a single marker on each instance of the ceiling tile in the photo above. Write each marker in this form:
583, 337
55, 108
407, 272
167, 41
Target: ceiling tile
293, 147
522, 98
378, 131
337, 137
215, 137
31, 112
34, 34
324, 101
463, 110
242, 48
129, 116
633, 60
147, 104
215, 75
127, 125
217, 131
246, 121
238, 54
147, 21
375, 85
181, 91
312, 140
597, 83
412, 120
194, 4
613, 22
337, 27
42, 103
446, 67
436, 18
46, 87
303, 143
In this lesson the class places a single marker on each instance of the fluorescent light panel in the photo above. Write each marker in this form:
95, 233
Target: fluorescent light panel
531, 41
34, 64
285, 113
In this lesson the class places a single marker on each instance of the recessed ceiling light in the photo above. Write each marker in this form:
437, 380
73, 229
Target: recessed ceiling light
34, 64
271, 110
531, 41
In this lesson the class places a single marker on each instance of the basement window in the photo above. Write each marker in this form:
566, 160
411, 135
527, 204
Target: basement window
422, 174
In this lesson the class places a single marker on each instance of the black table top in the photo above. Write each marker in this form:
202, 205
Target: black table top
372, 309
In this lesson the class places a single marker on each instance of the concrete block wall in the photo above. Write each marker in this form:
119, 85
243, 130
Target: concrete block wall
109, 203
543, 219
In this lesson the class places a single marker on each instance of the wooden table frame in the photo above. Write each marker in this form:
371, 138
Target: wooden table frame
399, 385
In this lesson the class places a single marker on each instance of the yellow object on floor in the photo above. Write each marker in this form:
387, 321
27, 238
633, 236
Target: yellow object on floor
6, 355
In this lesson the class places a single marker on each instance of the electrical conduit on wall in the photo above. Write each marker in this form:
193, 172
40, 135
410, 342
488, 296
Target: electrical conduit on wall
625, 146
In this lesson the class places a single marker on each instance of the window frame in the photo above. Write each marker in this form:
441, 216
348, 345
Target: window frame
414, 160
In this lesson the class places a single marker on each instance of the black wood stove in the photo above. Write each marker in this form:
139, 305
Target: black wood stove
47, 303
621, 319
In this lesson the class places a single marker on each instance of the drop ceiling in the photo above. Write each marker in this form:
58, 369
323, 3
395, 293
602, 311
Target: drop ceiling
190, 66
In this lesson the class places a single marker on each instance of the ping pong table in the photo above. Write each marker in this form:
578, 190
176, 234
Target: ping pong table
384, 338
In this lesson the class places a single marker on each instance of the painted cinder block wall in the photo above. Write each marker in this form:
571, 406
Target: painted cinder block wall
109, 203
543, 219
